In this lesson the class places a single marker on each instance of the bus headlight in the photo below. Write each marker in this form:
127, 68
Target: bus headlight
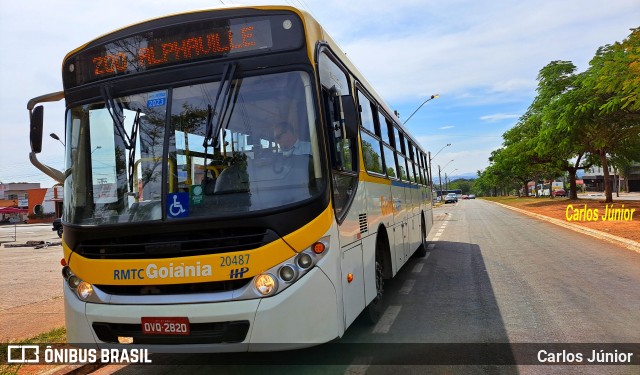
265, 284
304, 261
287, 273
81, 288
84, 290
73, 281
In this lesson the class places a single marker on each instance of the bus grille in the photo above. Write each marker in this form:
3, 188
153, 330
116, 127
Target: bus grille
200, 333
175, 245
168, 289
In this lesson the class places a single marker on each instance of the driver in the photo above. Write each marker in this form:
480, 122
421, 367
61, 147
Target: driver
288, 141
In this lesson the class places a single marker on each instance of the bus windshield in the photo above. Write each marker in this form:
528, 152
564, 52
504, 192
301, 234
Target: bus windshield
152, 156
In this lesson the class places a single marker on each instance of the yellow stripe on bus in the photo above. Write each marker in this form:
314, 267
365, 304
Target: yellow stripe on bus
365, 177
200, 268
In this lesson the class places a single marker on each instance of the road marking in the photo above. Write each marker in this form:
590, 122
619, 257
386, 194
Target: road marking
359, 366
418, 267
387, 319
430, 247
407, 286
441, 230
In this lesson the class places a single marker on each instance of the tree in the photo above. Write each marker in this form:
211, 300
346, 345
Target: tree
557, 143
609, 109
619, 75
575, 120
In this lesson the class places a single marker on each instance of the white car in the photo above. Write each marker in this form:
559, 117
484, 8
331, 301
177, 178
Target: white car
451, 197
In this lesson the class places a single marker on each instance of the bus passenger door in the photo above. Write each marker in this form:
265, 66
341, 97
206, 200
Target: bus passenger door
341, 131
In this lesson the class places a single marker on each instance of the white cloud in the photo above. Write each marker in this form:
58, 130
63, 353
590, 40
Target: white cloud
498, 117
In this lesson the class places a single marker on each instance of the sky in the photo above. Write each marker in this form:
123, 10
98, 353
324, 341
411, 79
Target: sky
481, 57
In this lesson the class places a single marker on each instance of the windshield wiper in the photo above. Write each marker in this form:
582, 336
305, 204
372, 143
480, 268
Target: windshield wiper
132, 148
219, 110
116, 111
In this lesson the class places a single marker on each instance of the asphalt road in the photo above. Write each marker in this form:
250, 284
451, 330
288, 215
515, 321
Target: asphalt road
491, 276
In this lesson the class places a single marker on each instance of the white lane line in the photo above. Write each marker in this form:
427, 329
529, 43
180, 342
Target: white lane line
359, 366
418, 267
387, 319
407, 286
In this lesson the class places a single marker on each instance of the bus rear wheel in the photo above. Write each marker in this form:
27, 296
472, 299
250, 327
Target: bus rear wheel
373, 312
422, 249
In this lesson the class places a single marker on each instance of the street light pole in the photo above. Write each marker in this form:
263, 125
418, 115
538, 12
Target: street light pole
55, 136
446, 183
423, 103
440, 175
447, 180
434, 156
440, 181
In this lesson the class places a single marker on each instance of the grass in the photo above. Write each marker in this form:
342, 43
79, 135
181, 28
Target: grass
523, 202
55, 336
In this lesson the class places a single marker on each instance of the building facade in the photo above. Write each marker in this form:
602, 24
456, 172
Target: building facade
628, 180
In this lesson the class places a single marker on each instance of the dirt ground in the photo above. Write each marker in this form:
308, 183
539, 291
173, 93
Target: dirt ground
569, 210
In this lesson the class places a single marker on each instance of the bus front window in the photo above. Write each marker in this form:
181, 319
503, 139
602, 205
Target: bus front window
115, 164
224, 157
243, 166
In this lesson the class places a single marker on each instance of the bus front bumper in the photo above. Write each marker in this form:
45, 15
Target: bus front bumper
305, 314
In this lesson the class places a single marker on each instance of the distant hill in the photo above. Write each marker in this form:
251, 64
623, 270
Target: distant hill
466, 176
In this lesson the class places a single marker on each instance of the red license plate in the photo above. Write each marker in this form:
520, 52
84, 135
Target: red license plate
165, 326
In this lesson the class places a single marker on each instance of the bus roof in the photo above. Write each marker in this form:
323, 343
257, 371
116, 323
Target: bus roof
314, 32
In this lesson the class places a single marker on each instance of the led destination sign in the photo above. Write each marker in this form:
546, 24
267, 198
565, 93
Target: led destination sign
182, 44
167, 52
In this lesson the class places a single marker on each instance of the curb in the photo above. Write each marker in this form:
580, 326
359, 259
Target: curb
629, 244
74, 369
34, 244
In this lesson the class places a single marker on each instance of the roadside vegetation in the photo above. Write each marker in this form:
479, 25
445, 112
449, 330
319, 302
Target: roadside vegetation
577, 120
55, 336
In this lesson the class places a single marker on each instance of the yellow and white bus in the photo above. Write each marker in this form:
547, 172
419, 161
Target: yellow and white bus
231, 183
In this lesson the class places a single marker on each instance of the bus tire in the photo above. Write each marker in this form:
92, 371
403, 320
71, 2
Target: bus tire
373, 311
422, 249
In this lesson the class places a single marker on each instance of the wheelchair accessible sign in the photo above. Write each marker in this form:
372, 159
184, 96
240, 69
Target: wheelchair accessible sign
177, 205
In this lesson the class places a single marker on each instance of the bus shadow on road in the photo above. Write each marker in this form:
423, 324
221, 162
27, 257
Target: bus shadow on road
448, 318
448, 312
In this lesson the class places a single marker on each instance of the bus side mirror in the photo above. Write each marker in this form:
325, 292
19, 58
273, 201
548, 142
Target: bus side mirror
36, 125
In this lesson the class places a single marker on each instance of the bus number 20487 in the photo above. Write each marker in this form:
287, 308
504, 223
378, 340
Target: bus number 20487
236, 260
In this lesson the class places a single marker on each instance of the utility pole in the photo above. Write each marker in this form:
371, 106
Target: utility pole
440, 179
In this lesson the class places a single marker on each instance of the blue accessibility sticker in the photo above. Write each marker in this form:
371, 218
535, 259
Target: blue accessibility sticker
177, 205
